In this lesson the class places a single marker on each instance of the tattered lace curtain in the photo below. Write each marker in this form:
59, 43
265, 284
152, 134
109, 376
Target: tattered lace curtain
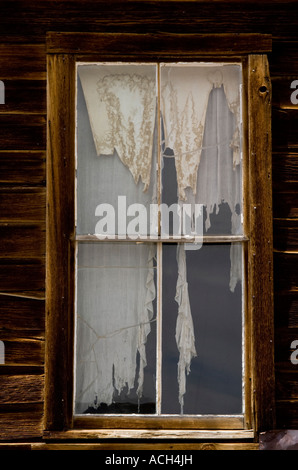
200, 107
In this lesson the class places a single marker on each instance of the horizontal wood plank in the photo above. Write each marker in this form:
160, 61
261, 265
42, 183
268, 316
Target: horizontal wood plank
22, 132
12, 446
23, 423
22, 241
34, 19
285, 169
152, 447
22, 204
285, 204
153, 422
25, 62
22, 168
286, 309
20, 313
284, 92
21, 389
22, 277
285, 271
158, 44
284, 129
22, 350
24, 96
285, 233
164, 434
286, 414
286, 384
283, 60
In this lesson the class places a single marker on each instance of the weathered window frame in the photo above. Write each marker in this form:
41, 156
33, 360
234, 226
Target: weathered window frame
63, 51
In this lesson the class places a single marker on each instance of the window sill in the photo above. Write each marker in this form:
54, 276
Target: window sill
149, 434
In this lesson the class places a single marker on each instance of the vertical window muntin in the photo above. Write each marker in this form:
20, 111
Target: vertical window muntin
210, 239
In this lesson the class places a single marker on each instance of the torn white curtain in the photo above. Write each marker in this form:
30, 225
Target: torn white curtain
185, 92
121, 103
122, 111
120, 279
207, 146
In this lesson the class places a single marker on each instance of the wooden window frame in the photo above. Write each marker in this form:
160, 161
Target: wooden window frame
63, 51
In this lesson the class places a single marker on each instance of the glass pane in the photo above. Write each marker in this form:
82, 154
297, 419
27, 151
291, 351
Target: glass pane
201, 141
116, 146
115, 328
208, 336
117, 368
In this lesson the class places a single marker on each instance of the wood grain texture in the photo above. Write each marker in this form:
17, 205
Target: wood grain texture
21, 389
124, 446
32, 20
23, 168
60, 223
24, 96
284, 129
23, 348
162, 423
260, 260
286, 235
21, 422
286, 271
22, 132
283, 61
287, 414
27, 62
155, 434
158, 45
22, 204
24, 26
282, 91
285, 204
22, 277
22, 241
286, 308
286, 384
21, 313
285, 169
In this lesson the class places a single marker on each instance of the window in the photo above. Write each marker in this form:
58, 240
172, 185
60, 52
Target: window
159, 202
134, 297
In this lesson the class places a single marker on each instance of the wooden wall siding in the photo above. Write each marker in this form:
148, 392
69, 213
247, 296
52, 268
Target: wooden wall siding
22, 239
23, 29
284, 70
21, 167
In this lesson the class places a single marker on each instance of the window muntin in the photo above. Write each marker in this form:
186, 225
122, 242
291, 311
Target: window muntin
216, 148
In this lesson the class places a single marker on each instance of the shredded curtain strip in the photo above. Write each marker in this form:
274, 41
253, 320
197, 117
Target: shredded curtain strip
200, 107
